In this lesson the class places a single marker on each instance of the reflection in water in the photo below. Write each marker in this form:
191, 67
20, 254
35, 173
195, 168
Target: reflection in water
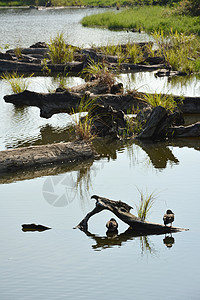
159, 153
169, 241
147, 82
146, 245
48, 135
113, 239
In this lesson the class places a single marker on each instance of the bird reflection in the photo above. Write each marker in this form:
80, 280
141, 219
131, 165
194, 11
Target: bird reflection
168, 240
114, 239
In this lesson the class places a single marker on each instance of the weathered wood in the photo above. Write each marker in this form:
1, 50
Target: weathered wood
122, 211
26, 67
187, 131
65, 101
188, 105
166, 72
42, 51
159, 124
41, 156
52, 103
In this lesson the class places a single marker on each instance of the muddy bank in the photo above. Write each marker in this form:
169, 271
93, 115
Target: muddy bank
38, 157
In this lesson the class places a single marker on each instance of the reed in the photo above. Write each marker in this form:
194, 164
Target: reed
17, 82
166, 101
59, 51
83, 125
145, 204
98, 71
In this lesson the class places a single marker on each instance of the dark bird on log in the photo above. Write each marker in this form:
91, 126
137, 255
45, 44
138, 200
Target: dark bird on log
112, 225
168, 217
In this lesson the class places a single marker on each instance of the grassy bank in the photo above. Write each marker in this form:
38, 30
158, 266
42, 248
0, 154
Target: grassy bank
147, 18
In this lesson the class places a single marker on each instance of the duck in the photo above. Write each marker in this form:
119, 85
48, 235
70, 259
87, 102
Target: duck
168, 217
112, 225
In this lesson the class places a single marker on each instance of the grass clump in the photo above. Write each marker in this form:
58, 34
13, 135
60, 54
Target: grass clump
145, 204
83, 124
59, 51
181, 52
98, 71
166, 101
17, 82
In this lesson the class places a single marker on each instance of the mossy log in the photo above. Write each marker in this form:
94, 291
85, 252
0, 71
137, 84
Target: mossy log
13, 160
122, 211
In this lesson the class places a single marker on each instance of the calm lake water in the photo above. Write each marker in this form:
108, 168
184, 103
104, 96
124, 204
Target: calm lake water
63, 263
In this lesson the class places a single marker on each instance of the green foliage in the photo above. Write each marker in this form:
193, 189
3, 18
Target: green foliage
135, 53
59, 52
84, 124
17, 82
100, 71
189, 7
146, 203
127, 53
181, 51
45, 68
147, 18
166, 101
18, 52
113, 3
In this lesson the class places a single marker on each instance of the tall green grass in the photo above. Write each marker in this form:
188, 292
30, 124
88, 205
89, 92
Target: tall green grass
83, 125
99, 71
59, 51
17, 82
147, 18
166, 101
145, 204
181, 51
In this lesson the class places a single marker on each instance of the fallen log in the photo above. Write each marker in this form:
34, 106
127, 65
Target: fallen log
66, 101
53, 103
26, 67
13, 160
122, 211
187, 131
188, 105
169, 73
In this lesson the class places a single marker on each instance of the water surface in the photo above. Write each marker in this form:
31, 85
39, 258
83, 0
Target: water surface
65, 263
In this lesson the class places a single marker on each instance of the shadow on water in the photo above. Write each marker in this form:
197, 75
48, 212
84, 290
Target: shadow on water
114, 239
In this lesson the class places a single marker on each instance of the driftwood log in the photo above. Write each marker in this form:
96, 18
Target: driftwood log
122, 211
53, 103
28, 67
43, 156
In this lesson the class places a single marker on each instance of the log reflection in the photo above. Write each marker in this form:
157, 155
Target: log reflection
114, 239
